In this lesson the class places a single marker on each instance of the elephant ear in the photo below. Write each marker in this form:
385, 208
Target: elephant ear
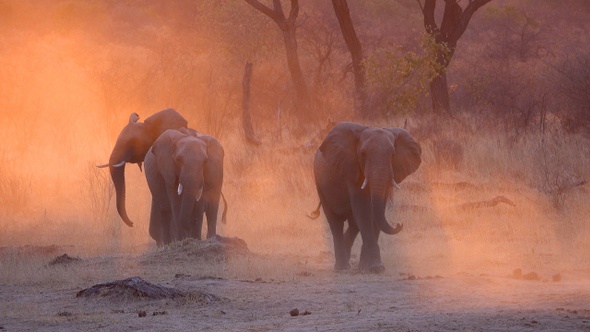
163, 120
163, 148
339, 149
214, 149
408, 154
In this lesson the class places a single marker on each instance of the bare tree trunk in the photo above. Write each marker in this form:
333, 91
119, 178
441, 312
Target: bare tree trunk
356, 52
246, 117
288, 27
454, 22
439, 93
295, 68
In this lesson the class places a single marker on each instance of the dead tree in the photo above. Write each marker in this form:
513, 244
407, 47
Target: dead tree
288, 27
454, 23
246, 117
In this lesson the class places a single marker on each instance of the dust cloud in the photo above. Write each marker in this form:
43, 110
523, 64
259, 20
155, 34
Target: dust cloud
72, 74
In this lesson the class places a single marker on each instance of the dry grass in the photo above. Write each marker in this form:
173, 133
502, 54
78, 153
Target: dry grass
270, 189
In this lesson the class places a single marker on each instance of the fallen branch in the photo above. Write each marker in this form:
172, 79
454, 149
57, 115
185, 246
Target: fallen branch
484, 204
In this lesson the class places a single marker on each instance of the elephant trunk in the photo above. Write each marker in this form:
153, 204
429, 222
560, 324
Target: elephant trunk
191, 192
118, 176
379, 184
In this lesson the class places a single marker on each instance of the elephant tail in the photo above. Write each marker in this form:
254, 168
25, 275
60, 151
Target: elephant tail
224, 215
315, 213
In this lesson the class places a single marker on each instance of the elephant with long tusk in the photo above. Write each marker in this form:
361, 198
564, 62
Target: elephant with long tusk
132, 145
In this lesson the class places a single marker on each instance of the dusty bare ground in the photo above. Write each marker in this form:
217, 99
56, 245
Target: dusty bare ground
245, 300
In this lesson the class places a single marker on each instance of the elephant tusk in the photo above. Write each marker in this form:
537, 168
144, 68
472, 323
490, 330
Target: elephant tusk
120, 164
103, 165
199, 194
395, 184
364, 185
179, 189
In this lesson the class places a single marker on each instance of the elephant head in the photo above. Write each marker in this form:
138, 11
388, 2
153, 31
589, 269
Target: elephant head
373, 160
184, 160
132, 145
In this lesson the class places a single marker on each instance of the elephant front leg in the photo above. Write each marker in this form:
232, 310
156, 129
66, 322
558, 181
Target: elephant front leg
370, 259
349, 237
211, 213
340, 252
197, 229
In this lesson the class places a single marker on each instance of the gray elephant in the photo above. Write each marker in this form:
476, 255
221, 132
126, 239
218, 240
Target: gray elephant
184, 171
133, 143
355, 167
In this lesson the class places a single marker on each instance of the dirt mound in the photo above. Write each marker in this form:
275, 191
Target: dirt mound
138, 288
217, 248
64, 259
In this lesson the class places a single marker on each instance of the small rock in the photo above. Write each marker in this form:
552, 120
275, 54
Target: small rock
556, 277
411, 277
305, 313
517, 274
158, 313
294, 312
142, 313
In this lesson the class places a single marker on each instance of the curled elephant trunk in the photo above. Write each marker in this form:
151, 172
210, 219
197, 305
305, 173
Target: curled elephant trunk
378, 194
118, 176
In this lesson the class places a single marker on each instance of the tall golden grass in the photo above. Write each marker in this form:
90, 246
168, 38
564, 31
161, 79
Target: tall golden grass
270, 189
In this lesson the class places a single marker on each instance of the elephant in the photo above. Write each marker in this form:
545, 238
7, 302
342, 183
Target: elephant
355, 168
132, 145
184, 171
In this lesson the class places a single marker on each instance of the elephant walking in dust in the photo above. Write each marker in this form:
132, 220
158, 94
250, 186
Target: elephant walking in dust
132, 145
355, 168
184, 171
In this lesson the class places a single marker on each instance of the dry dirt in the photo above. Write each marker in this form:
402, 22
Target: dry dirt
476, 299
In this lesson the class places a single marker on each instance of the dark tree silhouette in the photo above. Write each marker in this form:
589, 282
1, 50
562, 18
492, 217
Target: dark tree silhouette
288, 27
454, 22
246, 117
356, 51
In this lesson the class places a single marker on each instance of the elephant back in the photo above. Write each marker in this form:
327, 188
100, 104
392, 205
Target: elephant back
163, 120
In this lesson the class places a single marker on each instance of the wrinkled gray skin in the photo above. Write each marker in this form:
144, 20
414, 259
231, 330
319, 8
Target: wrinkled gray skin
133, 143
194, 162
355, 168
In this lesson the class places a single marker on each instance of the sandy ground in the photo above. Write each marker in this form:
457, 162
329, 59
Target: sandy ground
471, 300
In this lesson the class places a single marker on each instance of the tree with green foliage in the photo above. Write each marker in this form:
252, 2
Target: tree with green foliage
454, 23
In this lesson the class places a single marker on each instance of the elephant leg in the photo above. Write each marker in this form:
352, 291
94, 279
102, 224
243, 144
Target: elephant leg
176, 231
197, 230
156, 223
166, 224
370, 259
337, 229
211, 212
349, 236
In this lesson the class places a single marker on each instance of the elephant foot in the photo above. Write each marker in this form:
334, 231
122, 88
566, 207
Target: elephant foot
342, 266
375, 267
